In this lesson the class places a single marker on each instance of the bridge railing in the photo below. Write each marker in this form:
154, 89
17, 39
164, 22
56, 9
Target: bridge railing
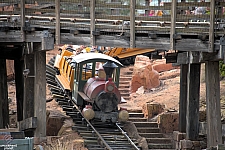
129, 18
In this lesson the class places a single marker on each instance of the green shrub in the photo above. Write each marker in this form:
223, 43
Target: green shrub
222, 69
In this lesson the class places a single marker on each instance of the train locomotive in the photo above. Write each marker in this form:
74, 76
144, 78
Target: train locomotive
91, 80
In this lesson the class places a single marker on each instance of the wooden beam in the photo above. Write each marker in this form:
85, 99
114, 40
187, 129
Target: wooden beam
40, 93
132, 23
214, 130
193, 91
4, 105
19, 80
28, 124
10, 53
183, 97
92, 22
173, 24
57, 25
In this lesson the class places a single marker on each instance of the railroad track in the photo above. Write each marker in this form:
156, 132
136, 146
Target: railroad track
96, 134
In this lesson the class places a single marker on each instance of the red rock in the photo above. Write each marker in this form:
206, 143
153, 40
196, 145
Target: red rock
161, 66
143, 74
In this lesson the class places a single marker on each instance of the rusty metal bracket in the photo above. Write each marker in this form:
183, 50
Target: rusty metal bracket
96, 33
27, 27
47, 41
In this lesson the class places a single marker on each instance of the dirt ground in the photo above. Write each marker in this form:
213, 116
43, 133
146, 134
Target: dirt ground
167, 93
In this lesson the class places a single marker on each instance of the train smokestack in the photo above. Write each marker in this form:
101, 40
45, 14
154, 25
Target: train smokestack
109, 67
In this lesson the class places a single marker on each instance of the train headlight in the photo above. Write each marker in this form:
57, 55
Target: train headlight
110, 88
123, 116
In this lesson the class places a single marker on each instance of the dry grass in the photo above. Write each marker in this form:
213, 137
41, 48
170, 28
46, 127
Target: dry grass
67, 142
60, 145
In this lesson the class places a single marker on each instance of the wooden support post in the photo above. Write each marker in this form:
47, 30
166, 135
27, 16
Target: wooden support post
183, 97
193, 92
213, 111
18, 67
173, 24
147, 3
4, 105
92, 22
132, 23
40, 93
212, 26
28, 104
57, 25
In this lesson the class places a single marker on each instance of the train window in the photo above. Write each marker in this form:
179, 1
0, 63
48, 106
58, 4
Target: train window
87, 71
99, 71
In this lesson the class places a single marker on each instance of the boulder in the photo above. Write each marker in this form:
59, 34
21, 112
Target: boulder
54, 121
161, 65
143, 74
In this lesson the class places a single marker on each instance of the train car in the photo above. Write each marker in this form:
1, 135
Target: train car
91, 80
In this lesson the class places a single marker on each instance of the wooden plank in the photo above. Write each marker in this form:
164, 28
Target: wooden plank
40, 93
192, 45
213, 111
19, 79
192, 117
28, 123
173, 24
132, 24
92, 23
4, 106
183, 97
57, 24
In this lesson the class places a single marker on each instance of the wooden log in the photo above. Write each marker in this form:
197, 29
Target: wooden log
193, 91
214, 130
40, 93
4, 106
183, 98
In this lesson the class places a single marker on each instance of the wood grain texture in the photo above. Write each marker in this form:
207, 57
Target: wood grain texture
213, 111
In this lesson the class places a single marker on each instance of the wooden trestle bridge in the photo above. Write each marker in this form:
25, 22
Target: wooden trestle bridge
29, 28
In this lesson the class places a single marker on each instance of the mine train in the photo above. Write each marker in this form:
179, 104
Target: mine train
91, 80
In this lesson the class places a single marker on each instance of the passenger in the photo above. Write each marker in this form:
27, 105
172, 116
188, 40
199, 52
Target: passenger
76, 52
151, 13
188, 12
199, 10
101, 74
84, 51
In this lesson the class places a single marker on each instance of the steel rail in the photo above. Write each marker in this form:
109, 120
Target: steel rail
128, 138
99, 135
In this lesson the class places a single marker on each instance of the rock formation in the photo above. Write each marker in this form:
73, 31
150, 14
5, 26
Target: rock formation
144, 74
